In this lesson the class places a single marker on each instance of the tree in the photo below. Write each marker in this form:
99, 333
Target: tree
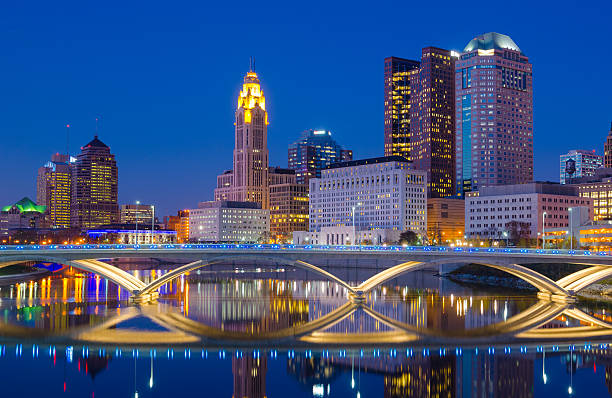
409, 238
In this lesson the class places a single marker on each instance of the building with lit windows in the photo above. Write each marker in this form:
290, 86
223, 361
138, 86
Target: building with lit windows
180, 224
248, 180
519, 211
584, 162
371, 194
432, 120
445, 220
398, 80
288, 204
227, 221
131, 234
137, 213
314, 151
608, 150
54, 190
598, 188
95, 180
494, 114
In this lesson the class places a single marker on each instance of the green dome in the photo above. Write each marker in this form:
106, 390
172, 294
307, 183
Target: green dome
26, 205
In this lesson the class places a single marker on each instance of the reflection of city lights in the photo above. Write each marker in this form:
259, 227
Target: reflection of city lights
318, 390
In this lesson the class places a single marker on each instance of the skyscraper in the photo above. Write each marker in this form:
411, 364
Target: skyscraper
314, 151
494, 114
95, 179
432, 120
53, 190
248, 181
398, 73
585, 163
608, 150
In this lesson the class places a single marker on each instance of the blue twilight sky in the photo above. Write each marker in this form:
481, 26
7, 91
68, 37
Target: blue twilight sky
164, 77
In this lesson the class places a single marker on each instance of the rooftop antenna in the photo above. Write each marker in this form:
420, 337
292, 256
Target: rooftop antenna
251, 64
98, 124
68, 142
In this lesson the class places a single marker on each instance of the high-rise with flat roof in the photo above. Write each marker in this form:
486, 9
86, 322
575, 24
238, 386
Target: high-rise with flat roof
248, 180
494, 114
95, 179
432, 120
314, 151
398, 90
54, 190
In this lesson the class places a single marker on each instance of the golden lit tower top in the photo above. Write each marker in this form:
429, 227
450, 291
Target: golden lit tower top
251, 95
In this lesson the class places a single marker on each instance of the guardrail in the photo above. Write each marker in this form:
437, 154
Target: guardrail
324, 248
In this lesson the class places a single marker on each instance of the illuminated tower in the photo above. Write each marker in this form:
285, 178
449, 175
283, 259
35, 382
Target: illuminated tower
94, 186
53, 189
398, 73
494, 114
248, 181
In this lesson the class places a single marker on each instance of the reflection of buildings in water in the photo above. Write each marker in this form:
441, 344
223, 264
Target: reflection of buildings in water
311, 371
500, 376
249, 376
247, 305
93, 365
423, 377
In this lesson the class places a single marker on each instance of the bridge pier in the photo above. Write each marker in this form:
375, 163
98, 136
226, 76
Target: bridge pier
357, 297
145, 298
557, 298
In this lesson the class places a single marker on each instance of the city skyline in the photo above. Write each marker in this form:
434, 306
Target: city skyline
138, 132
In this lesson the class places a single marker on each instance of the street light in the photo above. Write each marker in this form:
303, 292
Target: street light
152, 221
354, 231
543, 226
137, 206
571, 229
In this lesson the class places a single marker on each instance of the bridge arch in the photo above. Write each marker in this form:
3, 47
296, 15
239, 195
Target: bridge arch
177, 272
539, 281
114, 274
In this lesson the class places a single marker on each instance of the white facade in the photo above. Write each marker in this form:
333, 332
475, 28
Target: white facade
225, 221
491, 213
345, 236
385, 192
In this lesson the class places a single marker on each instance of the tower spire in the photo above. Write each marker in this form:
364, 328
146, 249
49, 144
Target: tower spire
251, 64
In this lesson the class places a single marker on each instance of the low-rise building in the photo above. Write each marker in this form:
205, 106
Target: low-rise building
131, 234
519, 211
370, 194
180, 224
346, 236
445, 220
23, 214
227, 221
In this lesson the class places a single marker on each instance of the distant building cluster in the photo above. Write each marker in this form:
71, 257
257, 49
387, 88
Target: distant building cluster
456, 168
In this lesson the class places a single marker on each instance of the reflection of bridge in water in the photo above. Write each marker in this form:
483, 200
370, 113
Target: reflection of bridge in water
390, 262
527, 327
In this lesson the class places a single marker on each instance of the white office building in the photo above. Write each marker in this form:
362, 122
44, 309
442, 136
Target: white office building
227, 221
371, 194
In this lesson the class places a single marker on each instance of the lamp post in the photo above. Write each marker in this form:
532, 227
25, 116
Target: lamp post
571, 229
152, 221
354, 230
543, 226
137, 206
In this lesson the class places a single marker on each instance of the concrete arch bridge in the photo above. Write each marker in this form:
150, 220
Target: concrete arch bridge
388, 263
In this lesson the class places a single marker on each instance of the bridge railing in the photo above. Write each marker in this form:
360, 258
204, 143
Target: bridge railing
314, 248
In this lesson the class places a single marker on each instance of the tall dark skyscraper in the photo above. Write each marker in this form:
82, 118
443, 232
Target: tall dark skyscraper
398, 73
494, 114
314, 151
432, 120
95, 180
